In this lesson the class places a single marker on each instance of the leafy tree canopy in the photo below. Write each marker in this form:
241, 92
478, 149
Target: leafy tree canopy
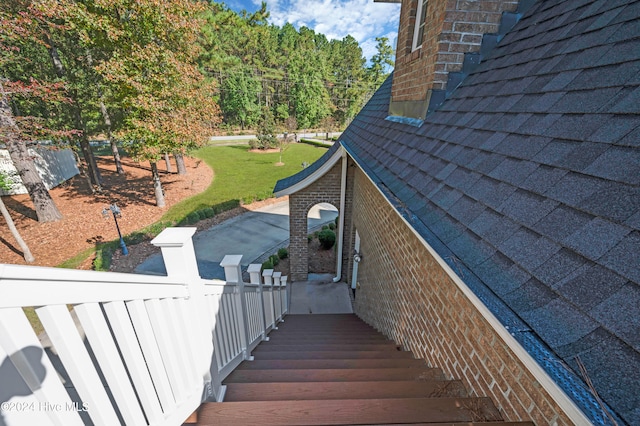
295, 73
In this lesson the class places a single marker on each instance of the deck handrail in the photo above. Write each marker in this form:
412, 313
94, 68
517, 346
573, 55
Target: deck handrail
127, 348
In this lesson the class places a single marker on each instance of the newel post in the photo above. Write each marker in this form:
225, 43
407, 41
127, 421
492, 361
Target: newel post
254, 273
284, 295
233, 274
267, 274
276, 297
180, 262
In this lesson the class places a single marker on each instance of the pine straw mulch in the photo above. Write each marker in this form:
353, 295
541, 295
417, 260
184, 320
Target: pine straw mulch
83, 224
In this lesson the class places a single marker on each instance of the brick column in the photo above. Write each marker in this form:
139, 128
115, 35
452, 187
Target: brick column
324, 190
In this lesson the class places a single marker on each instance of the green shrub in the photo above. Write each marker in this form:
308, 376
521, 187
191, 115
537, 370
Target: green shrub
192, 218
309, 238
274, 259
332, 226
209, 212
267, 265
336, 220
314, 143
201, 214
283, 253
327, 239
325, 227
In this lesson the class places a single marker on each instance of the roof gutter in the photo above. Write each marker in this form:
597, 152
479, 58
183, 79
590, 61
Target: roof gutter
343, 196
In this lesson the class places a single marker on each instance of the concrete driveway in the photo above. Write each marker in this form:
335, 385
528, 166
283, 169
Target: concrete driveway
250, 234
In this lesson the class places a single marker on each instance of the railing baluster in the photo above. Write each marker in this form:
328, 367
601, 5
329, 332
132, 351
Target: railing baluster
166, 343
150, 351
106, 353
67, 342
254, 273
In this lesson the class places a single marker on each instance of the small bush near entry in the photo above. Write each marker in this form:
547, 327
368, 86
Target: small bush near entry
283, 253
324, 227
209, 212
332, 226
192, 218
274, 259
327, 238
267, 265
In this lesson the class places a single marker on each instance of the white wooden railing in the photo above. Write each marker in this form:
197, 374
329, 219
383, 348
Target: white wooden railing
124, 348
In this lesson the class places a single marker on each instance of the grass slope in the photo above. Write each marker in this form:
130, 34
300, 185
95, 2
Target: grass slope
243, 176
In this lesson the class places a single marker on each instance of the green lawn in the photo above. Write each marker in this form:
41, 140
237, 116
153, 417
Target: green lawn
243, 176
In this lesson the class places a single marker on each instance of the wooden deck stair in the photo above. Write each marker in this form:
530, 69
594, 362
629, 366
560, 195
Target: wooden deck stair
337, 370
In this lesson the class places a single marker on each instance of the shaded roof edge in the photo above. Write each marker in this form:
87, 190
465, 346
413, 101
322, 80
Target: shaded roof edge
564, 378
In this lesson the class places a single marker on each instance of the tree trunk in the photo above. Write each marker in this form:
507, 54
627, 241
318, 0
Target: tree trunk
182, 169
167, 161
114, 147
28, 257
83, 170
90, 160
107, 122
46, 209
157, 185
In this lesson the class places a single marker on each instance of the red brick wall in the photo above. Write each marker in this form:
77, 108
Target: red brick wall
454, 27
407, 295
327, 189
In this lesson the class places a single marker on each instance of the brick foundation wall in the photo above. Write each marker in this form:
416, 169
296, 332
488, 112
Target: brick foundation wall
407, 295
454, 27
325, 190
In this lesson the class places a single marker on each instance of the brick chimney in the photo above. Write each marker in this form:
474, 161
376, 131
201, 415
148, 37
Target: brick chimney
434, 37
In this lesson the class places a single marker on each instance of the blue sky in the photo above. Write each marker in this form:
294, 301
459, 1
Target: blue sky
363, 19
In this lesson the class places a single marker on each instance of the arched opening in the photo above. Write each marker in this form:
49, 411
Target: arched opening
322, 239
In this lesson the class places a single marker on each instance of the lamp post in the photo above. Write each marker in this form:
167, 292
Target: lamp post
115, 210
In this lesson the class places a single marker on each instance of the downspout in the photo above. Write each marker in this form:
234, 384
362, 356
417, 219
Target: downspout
343, 195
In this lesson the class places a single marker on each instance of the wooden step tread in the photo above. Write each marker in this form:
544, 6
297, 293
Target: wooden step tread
327, 341
343, 390
266, 347
334, 375
343, 330
343, 342
293, 354
326, 334
349, 411
330, 363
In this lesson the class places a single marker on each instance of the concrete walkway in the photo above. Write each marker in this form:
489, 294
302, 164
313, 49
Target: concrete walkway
320, 295
252, 234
